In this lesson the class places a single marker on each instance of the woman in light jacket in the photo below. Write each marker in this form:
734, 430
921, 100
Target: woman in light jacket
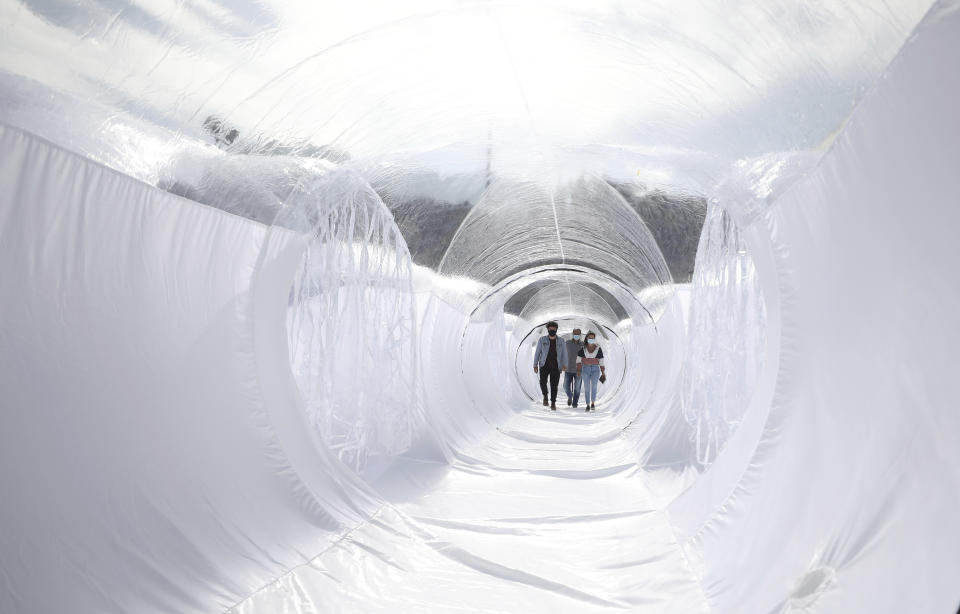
590, 368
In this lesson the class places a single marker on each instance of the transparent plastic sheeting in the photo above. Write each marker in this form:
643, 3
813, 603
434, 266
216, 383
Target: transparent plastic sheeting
229, 386
516, 226
722, 363
430, 98
351, 323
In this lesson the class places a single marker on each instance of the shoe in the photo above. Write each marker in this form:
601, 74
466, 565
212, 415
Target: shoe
545, 401
569, 401
593, 407
574, 405
553, 406
587, 408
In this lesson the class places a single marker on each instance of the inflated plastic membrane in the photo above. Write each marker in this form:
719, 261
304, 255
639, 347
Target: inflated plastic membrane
272, 275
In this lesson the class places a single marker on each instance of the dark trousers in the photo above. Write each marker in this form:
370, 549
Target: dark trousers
553, 372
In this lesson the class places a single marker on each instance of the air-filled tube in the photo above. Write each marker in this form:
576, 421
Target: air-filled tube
271, 282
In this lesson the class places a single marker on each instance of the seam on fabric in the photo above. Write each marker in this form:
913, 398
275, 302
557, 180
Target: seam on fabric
311, 560
118, 173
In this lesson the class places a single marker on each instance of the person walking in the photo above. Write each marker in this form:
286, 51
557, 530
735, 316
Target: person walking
590, 368
549, 360
571, 379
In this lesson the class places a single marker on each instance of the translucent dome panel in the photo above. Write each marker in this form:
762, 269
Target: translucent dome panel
522, 224
671, 95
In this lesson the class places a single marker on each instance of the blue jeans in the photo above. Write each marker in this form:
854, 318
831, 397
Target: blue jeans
571, 385
591, 379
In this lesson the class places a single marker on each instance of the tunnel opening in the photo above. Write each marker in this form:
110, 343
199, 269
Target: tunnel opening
614, 355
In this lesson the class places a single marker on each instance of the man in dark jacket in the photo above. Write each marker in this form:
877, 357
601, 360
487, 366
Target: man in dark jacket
549, 360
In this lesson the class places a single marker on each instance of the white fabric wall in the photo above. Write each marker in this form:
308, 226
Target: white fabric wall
154, 457
845, 495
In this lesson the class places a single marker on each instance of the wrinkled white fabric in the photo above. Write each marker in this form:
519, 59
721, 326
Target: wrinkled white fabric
144, 468
842, 495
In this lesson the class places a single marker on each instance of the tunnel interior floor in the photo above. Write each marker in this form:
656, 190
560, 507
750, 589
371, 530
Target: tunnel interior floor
550, 514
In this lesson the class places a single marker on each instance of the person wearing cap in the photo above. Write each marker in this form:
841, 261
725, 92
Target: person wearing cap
549, 361
572, 381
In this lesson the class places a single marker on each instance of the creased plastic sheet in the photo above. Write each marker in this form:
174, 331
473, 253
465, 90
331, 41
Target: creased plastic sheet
722, 363
355, 276
144, 468
551, 515
849, 492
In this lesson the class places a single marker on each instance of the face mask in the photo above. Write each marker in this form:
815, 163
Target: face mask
552, 331
591, 341
576, 337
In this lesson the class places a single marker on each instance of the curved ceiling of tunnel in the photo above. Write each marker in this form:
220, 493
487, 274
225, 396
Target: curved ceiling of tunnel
608, 89
527, 116
568, 299
520, 224
538, 295
517, 302
492, 114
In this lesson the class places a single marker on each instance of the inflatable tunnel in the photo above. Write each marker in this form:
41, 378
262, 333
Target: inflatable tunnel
275, 278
